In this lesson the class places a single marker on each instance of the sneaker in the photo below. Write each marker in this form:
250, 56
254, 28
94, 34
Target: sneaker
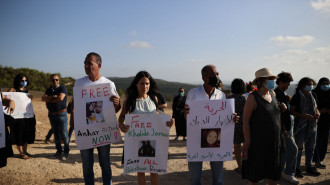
176, 138
57, 155
184, 139
290, 178
312, 171
299, 173
320, 165
65, 156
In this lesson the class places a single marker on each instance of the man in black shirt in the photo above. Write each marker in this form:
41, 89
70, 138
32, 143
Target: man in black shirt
55, 98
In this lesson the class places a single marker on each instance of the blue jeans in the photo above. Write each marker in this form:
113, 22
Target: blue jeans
289, 156
195, 172
59, 124
309, 139
70, 133
88, 162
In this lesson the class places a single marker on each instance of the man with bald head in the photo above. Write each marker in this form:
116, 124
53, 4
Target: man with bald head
208, 91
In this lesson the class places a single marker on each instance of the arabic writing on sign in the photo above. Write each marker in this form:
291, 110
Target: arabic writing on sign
214, 111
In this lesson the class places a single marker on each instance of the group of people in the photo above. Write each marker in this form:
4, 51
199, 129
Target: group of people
270, 130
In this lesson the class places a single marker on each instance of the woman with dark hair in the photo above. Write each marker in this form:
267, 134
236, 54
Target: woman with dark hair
304, 108
178, 115
322, 92
23, 130
237, 90
261, 128
210, 138
141, 98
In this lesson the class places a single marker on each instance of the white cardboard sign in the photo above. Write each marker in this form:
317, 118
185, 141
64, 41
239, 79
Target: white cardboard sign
95, 119
2, 127
210, 130
146, 143
23, 105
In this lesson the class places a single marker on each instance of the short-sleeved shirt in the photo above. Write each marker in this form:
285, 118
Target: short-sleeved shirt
56, 107
199, 93
86, 81
144, 106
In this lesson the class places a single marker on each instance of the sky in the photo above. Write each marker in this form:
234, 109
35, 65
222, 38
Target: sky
171, 39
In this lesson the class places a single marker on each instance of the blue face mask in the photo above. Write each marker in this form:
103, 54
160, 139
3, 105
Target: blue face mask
270, 84
219, 88
308, 88
181, 93
325, 87
24, 83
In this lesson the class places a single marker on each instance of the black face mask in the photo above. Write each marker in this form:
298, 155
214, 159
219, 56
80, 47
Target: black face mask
214, 81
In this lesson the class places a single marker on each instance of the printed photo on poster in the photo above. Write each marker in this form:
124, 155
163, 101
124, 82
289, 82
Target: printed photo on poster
147, 148
210, 138
94, 113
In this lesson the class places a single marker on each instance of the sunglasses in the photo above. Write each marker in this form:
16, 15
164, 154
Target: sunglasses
55, 80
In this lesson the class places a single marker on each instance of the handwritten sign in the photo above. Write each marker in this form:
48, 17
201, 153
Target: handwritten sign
2, 127
146, 143
210, 129
95, 119
23, 105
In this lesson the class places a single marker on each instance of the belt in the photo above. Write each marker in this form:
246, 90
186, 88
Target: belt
55, 113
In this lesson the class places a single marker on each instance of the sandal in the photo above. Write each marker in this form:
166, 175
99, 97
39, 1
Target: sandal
23, 156
28, 154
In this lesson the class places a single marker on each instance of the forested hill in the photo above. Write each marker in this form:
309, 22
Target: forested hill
168, 89
39, 80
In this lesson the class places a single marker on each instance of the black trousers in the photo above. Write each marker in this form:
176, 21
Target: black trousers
323, 126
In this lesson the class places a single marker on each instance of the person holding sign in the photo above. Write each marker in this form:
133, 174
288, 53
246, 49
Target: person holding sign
55, 98
208, 91
6, 151
261, 128
93, 63
141, 98
24, 128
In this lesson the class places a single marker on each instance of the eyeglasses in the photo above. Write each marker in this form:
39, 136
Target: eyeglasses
55, 80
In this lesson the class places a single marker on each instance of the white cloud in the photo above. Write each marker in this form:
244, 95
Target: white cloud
132, 33
292, 41
297, 57
321, 5
139, 44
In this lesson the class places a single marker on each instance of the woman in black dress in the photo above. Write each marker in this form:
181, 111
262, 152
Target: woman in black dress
23, 130
261, 127
177, 108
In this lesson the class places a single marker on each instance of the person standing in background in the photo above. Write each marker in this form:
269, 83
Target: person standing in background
322, 92
304, 108
178, 114
55, 98
238, 89
23, 130
289, 155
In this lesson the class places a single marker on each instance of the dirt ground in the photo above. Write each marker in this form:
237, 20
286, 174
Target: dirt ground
41, 169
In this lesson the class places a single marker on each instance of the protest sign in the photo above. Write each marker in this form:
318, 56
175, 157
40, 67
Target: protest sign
23, 105
95, 120
2, 127
146, 143
210, 130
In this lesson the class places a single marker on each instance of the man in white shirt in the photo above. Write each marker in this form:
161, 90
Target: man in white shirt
207, 91
93, 63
